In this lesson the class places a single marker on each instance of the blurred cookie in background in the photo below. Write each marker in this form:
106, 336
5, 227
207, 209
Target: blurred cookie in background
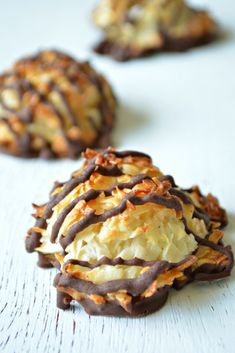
133, 28
52, 106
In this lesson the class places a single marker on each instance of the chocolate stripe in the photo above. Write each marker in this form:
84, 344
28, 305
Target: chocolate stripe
72, 117
92, 218
73, 183
104, 108
84, 176
208, 243
23, 141
168, 178
108, 171
69, 186
119, 261
90, 195
198, 212
43, 98
201, 214
26, 115
220, 248
181, 195
130, 153
133, 286
10, 128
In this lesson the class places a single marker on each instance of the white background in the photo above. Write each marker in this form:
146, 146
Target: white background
180, 108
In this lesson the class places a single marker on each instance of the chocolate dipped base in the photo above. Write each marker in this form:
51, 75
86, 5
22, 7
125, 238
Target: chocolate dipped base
171, 44
139, 307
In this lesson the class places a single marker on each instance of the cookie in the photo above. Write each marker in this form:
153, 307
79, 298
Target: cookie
135, 28
122, 234
52, 106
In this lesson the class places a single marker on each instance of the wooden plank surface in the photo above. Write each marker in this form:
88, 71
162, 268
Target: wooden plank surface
178, 108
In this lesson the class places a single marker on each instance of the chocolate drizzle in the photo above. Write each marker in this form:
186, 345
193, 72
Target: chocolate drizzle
226, 250
170, 201
92, 218
26, 115
201, 214
84, 176
119, 261
134, 286
74, 182
73, 119
181, 195
129, 153
168, 178
9, 126
91, 195
198, 212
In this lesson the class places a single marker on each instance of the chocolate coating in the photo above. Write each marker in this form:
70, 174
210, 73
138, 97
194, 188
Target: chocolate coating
122, 54
138, 308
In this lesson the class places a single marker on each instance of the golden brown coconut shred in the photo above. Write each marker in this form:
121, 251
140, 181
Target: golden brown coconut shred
122, 234
53, 106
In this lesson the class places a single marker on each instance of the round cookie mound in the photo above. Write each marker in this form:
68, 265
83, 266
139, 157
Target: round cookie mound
122, 234
134, 28
52, 106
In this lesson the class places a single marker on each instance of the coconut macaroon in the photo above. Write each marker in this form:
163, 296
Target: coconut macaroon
133, 28
53, 106
122, 234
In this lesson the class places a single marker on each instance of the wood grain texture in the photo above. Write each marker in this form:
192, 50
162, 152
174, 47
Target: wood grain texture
178, 108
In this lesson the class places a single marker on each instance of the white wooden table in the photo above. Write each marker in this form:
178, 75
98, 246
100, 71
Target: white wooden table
180, 109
